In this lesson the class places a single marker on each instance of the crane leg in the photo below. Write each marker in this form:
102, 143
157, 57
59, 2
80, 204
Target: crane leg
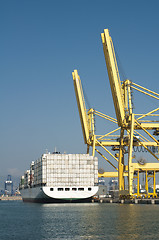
94, 145
121, 163
130, 166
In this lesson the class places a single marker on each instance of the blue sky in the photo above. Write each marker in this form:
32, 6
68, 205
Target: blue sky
41, 43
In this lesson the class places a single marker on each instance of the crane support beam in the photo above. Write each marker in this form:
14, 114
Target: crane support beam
107, 134
108, 174
149, 126
114, 78
107, 151
106, 159
113, 143
146, 166
150, 95
81, 105
111, 174
148, 114
147, 132
146, 89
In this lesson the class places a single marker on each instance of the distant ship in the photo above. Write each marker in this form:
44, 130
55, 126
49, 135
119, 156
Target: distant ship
60, 178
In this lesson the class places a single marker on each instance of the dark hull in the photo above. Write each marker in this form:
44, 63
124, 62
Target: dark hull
53, 200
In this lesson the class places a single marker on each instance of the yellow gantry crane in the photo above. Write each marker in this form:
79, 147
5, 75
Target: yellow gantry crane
135, 130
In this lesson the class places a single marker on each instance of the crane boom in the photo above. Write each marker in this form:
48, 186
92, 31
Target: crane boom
114, 78
81, 105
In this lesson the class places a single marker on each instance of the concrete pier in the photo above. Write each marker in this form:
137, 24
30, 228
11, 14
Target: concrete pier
128, 201
11, 198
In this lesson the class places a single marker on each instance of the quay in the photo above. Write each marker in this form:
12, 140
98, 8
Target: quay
128, 201
99, 200
10, 198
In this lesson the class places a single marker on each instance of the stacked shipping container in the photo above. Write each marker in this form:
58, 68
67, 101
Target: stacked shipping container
27, 178
63, 170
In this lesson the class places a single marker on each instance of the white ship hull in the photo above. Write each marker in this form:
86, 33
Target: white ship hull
58, 194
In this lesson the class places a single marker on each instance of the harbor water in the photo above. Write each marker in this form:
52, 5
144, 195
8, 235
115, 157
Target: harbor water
28, 221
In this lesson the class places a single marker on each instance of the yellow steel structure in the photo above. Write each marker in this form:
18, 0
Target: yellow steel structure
113, 73
126, 118
129, 125
81, 105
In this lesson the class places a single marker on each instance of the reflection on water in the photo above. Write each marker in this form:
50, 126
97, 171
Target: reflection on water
19, 220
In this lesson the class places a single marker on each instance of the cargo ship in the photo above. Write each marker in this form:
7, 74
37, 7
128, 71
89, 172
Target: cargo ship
60, 178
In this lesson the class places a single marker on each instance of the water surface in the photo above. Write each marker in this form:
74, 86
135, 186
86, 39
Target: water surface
29, 221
